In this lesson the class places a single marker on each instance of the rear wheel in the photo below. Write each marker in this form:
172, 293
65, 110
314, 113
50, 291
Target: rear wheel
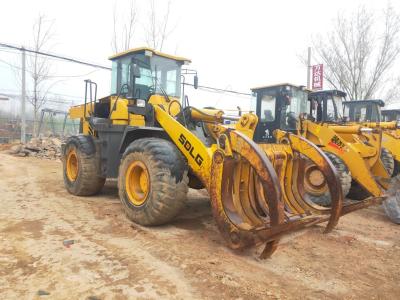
81, 165
153, 181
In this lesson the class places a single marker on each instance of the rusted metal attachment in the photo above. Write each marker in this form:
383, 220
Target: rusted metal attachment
256, 199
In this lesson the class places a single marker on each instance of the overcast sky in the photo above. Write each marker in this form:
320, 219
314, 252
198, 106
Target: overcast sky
233, 44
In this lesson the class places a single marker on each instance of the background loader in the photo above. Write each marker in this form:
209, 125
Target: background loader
362, 173
158, 146
368, 113
389, 115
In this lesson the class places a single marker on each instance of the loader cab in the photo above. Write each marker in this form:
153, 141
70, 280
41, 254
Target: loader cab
363, 110
327, 106
142, 72
391, 115
278, 107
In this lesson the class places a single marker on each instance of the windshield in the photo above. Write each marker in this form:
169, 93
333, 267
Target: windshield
334, 109
339, 107
298, 104
391, 116
376, 115
157, 74
362, 112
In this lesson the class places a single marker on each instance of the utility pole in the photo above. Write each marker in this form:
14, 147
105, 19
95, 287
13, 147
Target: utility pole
23, 98
309, 69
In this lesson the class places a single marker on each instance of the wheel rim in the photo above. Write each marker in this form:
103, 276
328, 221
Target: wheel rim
72, 165
314, 180
137, 183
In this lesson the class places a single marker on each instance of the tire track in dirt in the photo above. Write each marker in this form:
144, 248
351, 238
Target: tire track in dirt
114, 258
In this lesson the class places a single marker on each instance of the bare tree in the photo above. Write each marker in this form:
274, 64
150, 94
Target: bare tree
124, 30
157, 30
38, 66
393, 93
358, 57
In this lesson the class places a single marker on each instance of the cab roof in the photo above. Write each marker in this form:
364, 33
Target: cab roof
375, 101
154, 52
388, 111
279, 85
328, 92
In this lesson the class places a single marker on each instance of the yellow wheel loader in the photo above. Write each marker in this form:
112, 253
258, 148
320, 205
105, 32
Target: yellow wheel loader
354, 150
390, 115
158, 147
369, 114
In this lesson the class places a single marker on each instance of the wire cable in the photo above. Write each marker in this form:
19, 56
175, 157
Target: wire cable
78, 61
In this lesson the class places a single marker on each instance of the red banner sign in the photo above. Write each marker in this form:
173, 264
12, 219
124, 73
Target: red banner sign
317, 77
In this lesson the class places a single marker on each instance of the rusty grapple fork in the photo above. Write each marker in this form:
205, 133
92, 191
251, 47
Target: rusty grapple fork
248, 202
255, 197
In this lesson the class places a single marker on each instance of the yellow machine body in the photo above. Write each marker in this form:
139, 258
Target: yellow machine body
348, 143
390, 136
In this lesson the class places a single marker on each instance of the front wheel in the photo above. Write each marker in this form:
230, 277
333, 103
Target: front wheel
152, 181
316, 187
388, 161
392, 208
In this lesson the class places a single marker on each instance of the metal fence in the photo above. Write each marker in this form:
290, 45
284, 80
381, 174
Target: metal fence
51, 125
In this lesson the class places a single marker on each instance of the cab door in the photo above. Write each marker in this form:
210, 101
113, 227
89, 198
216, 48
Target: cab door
268, 112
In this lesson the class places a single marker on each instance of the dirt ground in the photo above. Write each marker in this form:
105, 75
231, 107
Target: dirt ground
112, 258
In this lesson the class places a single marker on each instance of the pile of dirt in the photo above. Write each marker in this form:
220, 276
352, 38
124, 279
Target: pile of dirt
46, 147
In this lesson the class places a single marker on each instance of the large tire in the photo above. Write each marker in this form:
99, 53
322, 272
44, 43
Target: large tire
388, 161
392, 208
81, 166
162, 193
343, 171
344, 176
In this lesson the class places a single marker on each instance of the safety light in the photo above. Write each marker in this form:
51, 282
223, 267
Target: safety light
140, 103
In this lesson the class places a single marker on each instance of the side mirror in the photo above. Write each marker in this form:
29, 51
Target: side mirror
135, 70
195, 82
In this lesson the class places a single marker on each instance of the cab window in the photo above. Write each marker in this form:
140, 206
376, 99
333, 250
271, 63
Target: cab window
268, 104
330, 110
253, 102
375, 114
347, 112
360, 113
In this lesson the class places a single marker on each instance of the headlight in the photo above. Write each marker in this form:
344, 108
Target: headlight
140, 103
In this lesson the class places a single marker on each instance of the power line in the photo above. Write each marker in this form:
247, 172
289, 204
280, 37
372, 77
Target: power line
219, 89
108, 68
55, 56
51, 93
51, 76
49, 99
